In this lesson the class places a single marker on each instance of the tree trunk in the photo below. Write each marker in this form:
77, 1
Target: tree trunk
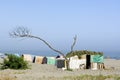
67, 65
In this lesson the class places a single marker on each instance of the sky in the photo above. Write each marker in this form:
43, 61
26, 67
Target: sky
95, 22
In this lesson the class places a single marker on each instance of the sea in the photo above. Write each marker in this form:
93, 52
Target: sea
32, 52
111, 55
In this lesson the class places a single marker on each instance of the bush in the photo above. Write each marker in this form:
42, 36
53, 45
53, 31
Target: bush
14, 62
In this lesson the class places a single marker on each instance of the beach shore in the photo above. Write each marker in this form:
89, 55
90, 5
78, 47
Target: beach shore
45, 71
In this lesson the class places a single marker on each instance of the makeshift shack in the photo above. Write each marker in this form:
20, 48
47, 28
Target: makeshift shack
86, 60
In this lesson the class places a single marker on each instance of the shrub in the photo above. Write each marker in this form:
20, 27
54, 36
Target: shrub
14, 62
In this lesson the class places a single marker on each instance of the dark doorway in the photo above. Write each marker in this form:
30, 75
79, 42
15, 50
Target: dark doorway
60, 63
88, 62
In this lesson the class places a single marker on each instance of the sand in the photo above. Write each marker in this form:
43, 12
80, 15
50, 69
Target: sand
40, 71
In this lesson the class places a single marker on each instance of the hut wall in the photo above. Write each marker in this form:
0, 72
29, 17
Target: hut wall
76, 64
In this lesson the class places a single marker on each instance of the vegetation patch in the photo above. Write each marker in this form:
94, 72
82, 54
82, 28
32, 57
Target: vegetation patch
82, 52
14, 62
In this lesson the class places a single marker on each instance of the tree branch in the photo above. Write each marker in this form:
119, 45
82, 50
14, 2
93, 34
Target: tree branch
74, 42
24, 32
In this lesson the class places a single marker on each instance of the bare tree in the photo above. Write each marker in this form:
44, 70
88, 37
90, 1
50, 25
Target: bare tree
24, 32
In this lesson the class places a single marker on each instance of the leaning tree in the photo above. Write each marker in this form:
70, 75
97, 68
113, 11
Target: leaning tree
21, 32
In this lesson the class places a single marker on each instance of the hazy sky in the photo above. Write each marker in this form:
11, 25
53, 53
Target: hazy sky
95, 22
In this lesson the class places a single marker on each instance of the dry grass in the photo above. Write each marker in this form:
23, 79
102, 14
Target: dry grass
7, 77
81, 77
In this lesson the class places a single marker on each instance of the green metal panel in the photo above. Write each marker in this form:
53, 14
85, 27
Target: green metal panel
97, 58
50, 60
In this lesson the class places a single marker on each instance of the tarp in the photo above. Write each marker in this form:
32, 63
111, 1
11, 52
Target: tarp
38, 59
51, 60
27, 57
97, 58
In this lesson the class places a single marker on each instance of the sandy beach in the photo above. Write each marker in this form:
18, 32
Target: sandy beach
45, 71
